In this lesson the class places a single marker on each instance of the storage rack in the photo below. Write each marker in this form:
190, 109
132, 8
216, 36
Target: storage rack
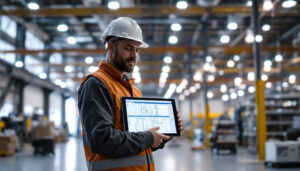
280, 111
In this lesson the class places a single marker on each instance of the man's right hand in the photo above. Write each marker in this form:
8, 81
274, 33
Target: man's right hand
158, 137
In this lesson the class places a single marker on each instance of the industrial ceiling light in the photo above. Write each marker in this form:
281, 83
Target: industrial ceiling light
68, 69
164, 74
43, 75
278, 58
251, 89
182, 4
181, 97
292, 79
19, 64
258, 38
236, 57
285, 84
241, 93
186, 92
267, 63
213, 69
249, 37
233, 95
176, 27
89, 60
289, 3
173, 39
168, 59
62, 28
170, 91
208, 59
269, 85
238, 81
251, 76
33, 6
266, 27
232, 26
264, 77
211, 78
197, 86
221, 72
63, 85
71, 40
113, 5
267, 5
249, 3
230, 63
210, 94
192, 89
92, 69
223, 88
225, 39
166, 68
225, 97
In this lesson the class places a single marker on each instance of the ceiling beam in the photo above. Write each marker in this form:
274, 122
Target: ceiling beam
165, 49
153, 11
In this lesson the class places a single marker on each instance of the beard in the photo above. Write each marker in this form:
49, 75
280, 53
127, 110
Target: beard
122, 63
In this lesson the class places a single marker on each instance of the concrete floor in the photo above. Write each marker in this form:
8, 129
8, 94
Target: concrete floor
69, 157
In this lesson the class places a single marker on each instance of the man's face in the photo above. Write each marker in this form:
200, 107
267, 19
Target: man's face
125, 54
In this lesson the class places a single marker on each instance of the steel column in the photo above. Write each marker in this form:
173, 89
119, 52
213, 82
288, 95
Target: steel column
6, 91
46, 93
260, 99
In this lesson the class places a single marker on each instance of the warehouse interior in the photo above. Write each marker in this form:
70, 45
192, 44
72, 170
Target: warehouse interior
232, 67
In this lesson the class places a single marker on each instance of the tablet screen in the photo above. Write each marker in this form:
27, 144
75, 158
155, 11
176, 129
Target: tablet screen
141, 114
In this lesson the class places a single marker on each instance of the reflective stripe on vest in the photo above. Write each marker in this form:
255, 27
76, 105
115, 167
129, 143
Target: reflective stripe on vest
119, 162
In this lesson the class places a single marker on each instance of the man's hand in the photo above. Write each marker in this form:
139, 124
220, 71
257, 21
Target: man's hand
180, 126
158, 137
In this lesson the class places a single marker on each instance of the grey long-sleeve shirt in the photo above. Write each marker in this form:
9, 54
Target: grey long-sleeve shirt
97, 117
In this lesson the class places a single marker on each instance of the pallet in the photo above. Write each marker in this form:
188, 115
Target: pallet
282, 164
5, 153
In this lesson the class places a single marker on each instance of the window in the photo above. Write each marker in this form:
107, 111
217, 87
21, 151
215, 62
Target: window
8, 26
32, 42
71, 116
9, 57
33, 65
55, 116
6, 109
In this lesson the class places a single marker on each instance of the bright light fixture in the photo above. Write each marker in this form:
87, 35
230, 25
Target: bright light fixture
268, 84
71, 40
266, 27
251, 76
211, 78
223, 88
168, 59
292, 79
170, 91
206, 66
230, 63
62, 28
166, 68
137, 80
114, 5
186, 92
164, 74
236, 57
197, 86
92, 69
238, 81
193, 89
267, 63
173, 39
208, 59
19, 64
33, 6
182, 5
198, 76
249, 37
267, 5
289, 3
233, 95
241, 93
264, 77
249, 3
232, 26
181, 97
89, 60
176, 27
225, 39
251, 89
285, 84
210, 94
43, 75
278, 58
221, 72
68, 68
258, 38
225, 97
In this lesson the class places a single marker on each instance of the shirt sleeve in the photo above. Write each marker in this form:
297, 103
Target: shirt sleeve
97, 117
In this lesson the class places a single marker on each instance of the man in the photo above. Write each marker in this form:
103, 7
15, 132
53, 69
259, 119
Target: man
106, 145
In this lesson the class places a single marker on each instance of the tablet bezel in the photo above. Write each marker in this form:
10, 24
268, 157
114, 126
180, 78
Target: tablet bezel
124, 112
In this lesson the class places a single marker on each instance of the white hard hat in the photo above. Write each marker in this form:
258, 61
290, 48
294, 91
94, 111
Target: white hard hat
124, 27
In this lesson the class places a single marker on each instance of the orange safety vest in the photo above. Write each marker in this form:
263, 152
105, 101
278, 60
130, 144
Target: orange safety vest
117, 88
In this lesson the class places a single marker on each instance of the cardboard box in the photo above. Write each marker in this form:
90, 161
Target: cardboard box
8, 139
43, 131
8, 148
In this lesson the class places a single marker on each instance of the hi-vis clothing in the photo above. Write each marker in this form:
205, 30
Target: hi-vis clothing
106, 145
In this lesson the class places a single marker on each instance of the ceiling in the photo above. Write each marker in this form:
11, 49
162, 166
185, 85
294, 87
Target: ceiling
202, 26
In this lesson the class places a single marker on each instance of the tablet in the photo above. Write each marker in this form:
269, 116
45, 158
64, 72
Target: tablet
141, 114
